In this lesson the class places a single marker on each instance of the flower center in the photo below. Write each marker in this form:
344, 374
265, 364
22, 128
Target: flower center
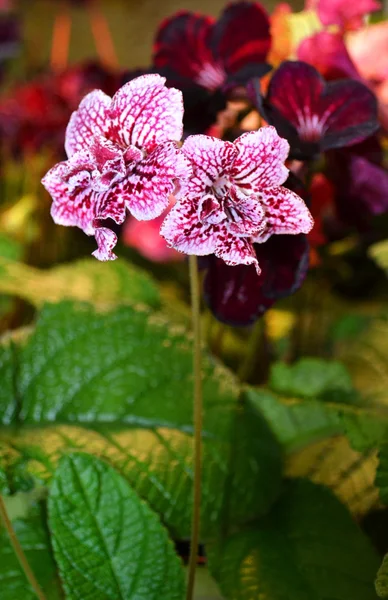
310, 127
211, 76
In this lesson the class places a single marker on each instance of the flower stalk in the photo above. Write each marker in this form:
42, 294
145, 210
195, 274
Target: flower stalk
19, 551
197, 364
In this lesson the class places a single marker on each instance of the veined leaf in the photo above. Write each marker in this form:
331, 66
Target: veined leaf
120, 384
329, 443
108, 543
307, 548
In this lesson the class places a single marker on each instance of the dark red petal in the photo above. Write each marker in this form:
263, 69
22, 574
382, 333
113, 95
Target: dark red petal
238, 296
183, 44
351, 113
294, 91
241, 36
284, 120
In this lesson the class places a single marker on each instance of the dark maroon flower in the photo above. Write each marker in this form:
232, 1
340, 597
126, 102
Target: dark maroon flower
361, 184
34, 115
238, 296
215, 54
315, 116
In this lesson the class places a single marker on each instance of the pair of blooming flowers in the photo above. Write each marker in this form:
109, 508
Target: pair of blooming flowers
123, 155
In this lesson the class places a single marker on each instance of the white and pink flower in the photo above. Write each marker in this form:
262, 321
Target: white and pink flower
122, 155
234, 198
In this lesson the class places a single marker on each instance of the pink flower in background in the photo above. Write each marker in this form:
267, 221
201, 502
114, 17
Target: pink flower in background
347, 14
145, 237
234, 198
120, 158
327, 52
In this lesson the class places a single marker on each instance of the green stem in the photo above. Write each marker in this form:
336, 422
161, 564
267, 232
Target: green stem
197, 362
18, 551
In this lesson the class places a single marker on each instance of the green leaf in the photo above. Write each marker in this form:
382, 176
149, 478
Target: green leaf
332, 444
366, 358
311, 378
109, 545
105, 285
33, 537
381, 582
308, 548
119, 385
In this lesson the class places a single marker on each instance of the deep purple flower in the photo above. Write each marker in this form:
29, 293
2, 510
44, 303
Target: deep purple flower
234, 198
360, 182
313, 115
238, 296
215, 53
120, 157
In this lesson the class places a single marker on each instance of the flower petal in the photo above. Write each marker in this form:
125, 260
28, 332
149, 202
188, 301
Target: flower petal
148, 186
85, 208
285, 213
241, 36
294, 90
183, 231
71, 208
211, 159
182, 44
345, 14
326, 51
144, 113
235, 250
106, 240
349, 113
238, 296
90, 119
260, 160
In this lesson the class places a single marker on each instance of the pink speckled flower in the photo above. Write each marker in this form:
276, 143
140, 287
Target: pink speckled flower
120, 158
234, 198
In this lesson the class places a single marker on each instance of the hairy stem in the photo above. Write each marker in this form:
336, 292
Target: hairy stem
18, 551
197, 363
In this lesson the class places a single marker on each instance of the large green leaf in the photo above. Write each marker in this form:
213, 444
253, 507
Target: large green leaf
105, 285
308, 548
109, 545
119, 385
33, 537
